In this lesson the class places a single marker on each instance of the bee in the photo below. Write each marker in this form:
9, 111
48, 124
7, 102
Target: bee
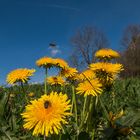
47, 104
52, 45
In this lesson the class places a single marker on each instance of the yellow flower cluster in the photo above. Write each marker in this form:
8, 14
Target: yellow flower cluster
47, 114
100, 74
19, 75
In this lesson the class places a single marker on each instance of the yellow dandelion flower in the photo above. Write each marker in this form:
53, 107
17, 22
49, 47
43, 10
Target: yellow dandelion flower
46, 62
90, 87
106, 72
19, 75
87, 74
60, 63
47, 114
106, 67
55, 80
68, 72
107, 54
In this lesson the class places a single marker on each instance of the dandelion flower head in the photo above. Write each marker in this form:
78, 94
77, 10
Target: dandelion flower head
106, 67
60, 63
107, 54
46, 62
90, 87
47, 114
68, 72
55, 80
87, 74
19, 75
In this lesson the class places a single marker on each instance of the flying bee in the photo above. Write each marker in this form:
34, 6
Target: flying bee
47, 104
52, 45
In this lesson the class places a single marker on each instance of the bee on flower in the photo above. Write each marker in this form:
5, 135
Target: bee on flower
47, 114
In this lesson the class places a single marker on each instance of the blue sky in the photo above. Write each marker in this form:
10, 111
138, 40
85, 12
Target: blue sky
28, 26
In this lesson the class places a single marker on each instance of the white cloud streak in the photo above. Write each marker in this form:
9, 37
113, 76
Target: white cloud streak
62, 7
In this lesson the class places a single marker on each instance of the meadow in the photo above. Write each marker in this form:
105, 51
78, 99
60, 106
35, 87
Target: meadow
92, 105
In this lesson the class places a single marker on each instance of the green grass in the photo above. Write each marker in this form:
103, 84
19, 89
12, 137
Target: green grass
124, 95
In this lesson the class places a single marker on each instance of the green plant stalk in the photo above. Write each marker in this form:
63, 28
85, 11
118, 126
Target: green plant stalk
104, 109
74, 104
60, 137
25, 95
3, 103
44, 137
91, 109
83, 115
84, 107
45, 81
92, 138
62, 88
91, 121
71, 110
22, 86
7, 135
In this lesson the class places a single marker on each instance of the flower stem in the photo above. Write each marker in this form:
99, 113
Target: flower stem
83, 113
44, 137
104, 109
22, 87
60, 136
92, 138
25, 95
75, 105
72, 105
91, 110
45, 82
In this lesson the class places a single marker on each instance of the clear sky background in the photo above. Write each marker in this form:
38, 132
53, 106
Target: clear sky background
28, 26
